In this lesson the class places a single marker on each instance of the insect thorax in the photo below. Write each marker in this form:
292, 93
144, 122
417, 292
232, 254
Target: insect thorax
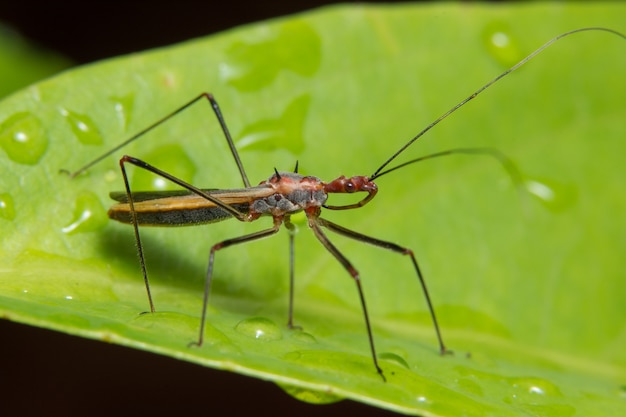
294, 193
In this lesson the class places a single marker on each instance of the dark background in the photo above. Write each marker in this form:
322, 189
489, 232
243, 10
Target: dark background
85, 377
88, 31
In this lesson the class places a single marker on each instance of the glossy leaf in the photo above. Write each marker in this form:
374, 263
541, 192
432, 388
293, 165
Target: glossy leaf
529, 288
23, 64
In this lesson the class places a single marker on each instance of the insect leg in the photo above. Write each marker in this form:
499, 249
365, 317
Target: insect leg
292, 233
229, 139
396, 248
220, 119
133, 214
141, 164
315, 224
209, 275
144, 165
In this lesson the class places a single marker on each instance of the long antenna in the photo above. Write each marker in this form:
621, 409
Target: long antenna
220, 119
504, 160
486, 86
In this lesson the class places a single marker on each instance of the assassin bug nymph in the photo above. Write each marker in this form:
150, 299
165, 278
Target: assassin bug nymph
279, 197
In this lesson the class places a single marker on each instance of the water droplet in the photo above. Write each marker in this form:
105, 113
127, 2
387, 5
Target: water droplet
83, 127
23, 138
308, 395
334, 362
169, 158
555, 196
501, 44
285, 132
89, 215
254, 63
535, 395
540, 190
538, 396
111, 175
301, 336
123, 108
392, 357
259, 328
7, 206
530, 389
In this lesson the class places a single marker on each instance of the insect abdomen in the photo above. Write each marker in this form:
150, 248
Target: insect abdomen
189, 217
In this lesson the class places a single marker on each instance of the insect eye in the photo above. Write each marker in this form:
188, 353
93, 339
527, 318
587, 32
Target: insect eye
350, 187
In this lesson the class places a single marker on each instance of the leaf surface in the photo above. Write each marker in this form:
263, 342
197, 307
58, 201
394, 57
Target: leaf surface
529, 289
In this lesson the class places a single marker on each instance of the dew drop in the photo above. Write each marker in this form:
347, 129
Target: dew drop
83, 127
392, 357
309, 396
23, 138
499, 39
7, 206
110, 176
501, 44
553, 195
304, 337
89, 215
183, 324
286, 132
540, 190
170, 158
534, 387
123, 107
259, 328
254, 63
529, 391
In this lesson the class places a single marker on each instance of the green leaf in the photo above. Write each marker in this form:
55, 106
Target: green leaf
23, 64
529, 291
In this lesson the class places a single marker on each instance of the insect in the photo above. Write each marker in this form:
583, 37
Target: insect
279, 197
